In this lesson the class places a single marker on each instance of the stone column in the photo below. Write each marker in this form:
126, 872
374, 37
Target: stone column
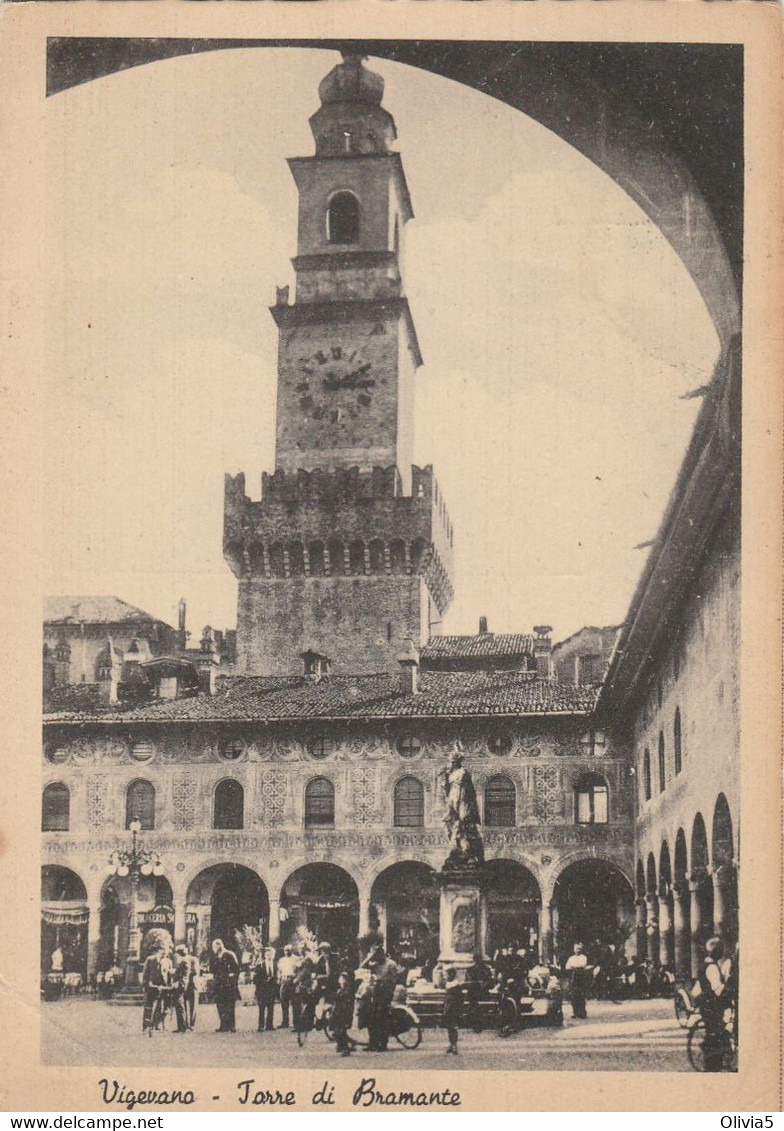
93, 932
665, 930
652, 926
546, 933
364, 915
179, 919
680, 922
641, 936
718, 879
274, 919
695, 926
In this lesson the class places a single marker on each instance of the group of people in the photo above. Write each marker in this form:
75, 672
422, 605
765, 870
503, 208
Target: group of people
170, 980
299, 978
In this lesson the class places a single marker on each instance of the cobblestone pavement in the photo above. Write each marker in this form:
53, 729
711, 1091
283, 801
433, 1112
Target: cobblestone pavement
632, 1036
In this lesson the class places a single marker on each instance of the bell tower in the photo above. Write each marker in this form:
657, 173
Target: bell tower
349, 552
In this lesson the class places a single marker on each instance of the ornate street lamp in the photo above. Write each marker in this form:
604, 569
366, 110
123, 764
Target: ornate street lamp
133, 865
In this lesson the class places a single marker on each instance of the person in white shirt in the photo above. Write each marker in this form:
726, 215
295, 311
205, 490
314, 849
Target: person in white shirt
288, 968
577, 966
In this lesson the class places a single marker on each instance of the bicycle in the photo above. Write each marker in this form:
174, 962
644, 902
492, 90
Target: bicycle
309, 1019
404, 1026
163, 1007
687, 1011
695, 1045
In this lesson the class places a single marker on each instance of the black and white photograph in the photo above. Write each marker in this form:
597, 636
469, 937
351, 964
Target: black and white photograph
392, 580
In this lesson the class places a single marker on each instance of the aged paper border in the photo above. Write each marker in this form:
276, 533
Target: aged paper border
27, 1085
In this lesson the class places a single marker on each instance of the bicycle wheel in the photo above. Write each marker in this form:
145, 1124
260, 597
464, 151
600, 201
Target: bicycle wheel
411, 1036
326, 1021
508, 1020
683, 1007
695, 1046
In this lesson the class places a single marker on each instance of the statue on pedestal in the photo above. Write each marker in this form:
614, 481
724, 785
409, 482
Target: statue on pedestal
462, 819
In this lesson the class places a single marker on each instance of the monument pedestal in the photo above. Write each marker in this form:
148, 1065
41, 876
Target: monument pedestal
463, 916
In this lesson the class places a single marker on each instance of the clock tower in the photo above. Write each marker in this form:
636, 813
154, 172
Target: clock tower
348, 554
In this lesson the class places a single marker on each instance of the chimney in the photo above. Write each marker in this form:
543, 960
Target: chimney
182, 635
483, 626
208, 662
543, 651
409, 667
62, 662
109, 668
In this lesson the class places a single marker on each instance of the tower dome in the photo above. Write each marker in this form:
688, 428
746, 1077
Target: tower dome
351, 81
351, 120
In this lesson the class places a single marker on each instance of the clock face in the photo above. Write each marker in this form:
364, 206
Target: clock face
334, 381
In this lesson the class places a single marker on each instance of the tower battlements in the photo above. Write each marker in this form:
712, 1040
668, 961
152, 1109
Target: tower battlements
341, 523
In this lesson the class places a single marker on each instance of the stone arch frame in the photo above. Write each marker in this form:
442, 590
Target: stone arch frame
297, 863
577, 857
181, 887
621, 106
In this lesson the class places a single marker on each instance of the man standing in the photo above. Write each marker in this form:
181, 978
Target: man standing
343, 1013
386, 973
288, 966
577, 965
453, 1008
226, 973
154, 979
265, 977
179, 981
191, 988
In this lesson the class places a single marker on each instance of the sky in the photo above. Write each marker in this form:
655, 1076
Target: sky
559, 331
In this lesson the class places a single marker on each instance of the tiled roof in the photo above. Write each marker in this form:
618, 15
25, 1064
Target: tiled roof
274, 698
485, 645
93, 610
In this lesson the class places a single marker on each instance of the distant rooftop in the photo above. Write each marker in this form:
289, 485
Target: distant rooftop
299, 698
93, 610
485, 645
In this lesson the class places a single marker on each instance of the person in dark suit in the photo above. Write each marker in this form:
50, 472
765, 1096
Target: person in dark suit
265, 978
343, 1013
226, 973
155, 978
453, 1008
326, 971
179, 981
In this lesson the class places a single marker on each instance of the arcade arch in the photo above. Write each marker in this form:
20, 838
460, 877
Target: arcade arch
593, 902
321, 899
224, 899
405, 910
64, 920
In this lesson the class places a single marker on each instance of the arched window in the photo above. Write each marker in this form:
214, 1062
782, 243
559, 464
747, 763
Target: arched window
228, 805
677, 741
409, 803
662, 763
56, 808
646, 774
319, 803
140, 803
343, 218
590, 801
500, 802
